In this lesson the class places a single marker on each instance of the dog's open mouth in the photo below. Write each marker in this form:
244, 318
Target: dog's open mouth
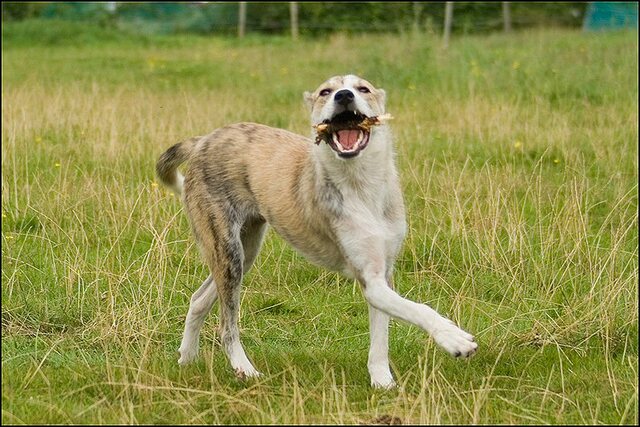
346, 133
349, 142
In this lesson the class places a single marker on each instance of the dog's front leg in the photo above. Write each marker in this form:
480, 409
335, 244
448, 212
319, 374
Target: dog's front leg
378, 362
381, 297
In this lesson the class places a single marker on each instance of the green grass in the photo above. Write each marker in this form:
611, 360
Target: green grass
518, 157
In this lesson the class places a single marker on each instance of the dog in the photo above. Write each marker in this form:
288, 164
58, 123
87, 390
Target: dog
338, 202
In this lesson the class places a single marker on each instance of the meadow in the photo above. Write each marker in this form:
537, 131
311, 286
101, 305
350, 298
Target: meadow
518, 159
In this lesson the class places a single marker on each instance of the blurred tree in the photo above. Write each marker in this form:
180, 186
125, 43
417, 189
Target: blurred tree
17, 11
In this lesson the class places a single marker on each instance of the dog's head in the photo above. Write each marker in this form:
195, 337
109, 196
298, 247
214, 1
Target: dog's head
342, 102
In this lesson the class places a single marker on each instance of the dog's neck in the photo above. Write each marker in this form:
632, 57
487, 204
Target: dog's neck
366, 173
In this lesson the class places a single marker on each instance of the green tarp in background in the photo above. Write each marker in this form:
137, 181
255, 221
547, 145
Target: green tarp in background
602, 15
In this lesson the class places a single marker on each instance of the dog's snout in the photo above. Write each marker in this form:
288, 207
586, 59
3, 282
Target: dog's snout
344, 97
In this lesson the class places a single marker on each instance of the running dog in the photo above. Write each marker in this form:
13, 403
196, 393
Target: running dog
338, 202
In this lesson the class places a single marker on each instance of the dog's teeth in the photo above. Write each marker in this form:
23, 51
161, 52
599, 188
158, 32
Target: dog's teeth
335, 139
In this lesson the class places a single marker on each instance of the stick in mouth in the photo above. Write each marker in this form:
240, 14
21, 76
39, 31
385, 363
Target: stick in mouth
366, 124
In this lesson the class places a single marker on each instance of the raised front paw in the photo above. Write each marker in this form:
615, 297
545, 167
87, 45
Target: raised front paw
454, 340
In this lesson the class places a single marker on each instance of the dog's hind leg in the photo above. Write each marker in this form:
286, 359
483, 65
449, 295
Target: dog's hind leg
217, 225
228, 275
223, 250
201, 303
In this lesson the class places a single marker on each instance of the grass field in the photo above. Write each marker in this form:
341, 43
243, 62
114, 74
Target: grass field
518, 158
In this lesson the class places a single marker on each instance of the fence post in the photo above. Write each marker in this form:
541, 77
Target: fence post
242, 18
448, 19
293, 11
417, 8
506, 15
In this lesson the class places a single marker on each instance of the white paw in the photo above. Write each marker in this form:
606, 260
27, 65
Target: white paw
454, 340
383, 383
247, 373
381, 377
187, 355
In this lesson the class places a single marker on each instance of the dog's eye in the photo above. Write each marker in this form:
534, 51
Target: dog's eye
364, 89
325, 92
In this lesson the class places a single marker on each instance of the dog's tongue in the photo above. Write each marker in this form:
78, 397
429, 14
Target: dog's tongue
348, 138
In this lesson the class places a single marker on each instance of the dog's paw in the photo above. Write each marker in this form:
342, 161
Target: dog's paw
247, 373
381, 377
187, 355
383, 383
454, 340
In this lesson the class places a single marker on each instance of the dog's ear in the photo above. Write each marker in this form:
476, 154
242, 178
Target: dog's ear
308, 99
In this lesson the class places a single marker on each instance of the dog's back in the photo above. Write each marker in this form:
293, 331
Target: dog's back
241, 168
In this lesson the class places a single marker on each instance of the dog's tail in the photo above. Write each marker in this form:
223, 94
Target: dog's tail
167, 166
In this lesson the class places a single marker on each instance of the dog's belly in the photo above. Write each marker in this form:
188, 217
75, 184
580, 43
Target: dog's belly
314, 244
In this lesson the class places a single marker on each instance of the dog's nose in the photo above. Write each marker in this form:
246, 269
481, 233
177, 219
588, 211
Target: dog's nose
343, 97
